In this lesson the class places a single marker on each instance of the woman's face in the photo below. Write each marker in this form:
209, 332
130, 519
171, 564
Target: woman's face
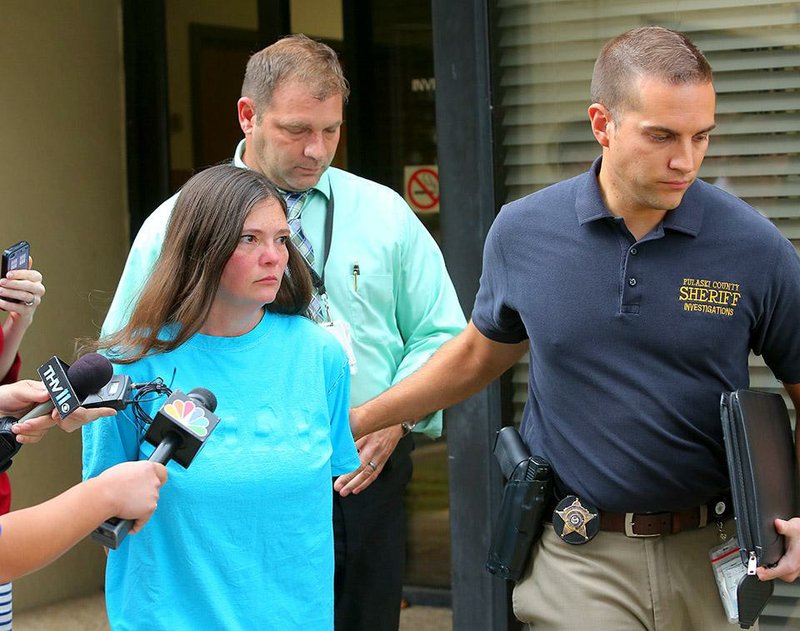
253, 273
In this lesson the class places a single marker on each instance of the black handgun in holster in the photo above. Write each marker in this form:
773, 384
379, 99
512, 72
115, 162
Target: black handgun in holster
528, 490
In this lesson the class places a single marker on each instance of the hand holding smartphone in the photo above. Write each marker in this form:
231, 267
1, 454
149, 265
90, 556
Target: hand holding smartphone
15, 256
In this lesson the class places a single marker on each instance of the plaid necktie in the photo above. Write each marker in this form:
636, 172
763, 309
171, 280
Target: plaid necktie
294, 206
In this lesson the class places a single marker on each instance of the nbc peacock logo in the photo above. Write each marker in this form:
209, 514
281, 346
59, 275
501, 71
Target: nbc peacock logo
191, 416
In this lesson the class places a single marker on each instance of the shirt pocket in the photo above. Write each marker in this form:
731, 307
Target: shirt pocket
371, 299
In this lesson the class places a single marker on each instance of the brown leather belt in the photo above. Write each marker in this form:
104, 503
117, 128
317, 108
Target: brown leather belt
655, 524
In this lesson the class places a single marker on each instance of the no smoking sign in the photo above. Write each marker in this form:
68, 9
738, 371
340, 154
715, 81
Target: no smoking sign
422, 188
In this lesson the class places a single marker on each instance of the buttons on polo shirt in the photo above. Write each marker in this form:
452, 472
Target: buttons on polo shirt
631, 266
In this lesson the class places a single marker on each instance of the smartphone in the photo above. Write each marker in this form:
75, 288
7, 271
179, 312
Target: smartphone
16, 257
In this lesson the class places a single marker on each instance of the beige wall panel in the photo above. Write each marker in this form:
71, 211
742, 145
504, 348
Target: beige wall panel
62, 178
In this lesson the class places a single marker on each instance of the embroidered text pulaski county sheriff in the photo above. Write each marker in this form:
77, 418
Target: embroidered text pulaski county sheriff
714, 297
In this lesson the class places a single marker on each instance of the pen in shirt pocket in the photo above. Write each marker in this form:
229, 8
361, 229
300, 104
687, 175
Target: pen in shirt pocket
356, 273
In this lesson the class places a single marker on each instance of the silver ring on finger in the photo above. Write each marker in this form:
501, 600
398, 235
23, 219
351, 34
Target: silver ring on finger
372, 466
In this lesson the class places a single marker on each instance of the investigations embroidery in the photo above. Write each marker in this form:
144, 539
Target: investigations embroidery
715, 297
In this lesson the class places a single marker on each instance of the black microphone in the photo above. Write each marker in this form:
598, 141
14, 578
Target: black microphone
115, 394
178, 431
67, 387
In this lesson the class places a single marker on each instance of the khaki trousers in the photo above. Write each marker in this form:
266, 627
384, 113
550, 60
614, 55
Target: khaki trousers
619, 583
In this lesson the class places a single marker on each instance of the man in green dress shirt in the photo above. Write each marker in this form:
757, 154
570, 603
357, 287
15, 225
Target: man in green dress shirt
385, 283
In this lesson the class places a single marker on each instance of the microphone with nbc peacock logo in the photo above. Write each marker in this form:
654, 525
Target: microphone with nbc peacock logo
182, 425
178, 432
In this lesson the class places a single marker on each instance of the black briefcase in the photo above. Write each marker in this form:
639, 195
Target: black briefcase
763, 476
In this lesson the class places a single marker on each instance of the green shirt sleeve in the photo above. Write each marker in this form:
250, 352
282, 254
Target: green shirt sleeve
141, 259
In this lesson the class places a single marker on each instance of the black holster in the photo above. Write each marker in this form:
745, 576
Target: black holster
526, 495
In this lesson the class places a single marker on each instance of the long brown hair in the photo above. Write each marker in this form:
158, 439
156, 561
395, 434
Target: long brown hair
202, 234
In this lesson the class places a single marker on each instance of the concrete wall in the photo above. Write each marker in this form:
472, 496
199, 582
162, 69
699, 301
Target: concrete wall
62, 179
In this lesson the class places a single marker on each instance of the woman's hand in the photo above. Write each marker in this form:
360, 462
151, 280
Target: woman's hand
26, 286
33, 430
18, 398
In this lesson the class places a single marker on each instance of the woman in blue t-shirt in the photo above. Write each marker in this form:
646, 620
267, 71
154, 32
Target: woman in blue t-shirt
243, 538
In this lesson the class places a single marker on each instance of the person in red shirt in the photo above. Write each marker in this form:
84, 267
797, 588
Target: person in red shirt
21, 293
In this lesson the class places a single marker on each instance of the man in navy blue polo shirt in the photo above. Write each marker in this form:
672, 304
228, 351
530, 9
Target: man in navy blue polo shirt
640, 291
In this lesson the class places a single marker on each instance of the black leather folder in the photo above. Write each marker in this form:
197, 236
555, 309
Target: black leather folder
763, 476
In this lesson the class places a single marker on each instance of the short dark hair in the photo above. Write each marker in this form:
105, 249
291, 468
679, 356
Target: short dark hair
202, 234
294, 58
649, 51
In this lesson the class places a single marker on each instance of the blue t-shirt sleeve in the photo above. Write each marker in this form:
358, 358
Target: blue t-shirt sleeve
109, 441
344, 458
492, 315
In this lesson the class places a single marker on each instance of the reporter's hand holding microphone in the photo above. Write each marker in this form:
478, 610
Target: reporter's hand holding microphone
130, 490
65, 389
173, 439
16, 399
33, 537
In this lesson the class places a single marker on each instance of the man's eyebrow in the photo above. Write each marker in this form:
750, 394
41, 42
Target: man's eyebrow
667, 130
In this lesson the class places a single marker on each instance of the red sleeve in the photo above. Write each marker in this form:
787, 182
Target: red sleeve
5, 494
13, 373
5, 487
